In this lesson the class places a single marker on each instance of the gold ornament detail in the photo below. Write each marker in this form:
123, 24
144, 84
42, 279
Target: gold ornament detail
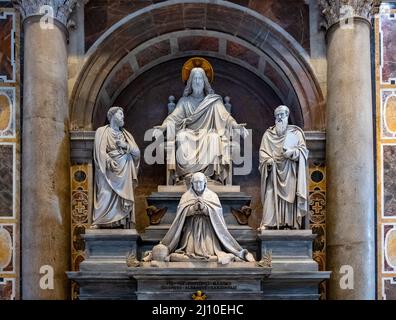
199, 295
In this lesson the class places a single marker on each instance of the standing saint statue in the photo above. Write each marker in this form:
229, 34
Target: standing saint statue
201, 126
116, 158
199, 231
283, 167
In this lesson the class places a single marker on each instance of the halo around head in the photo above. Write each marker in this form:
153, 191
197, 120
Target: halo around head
197, 62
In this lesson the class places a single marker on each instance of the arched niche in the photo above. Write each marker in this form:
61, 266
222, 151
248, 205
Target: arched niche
173, 29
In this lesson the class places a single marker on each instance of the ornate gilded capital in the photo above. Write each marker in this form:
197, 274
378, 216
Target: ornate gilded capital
337, 10
59, 10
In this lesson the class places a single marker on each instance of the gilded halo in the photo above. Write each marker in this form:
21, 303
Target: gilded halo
197, 62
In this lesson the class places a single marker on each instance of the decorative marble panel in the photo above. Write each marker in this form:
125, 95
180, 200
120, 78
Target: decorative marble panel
7, 289
7, 112
389, 245
317, 216
388, 114
118, 78
7, 47
9, 151
7, 248
389, 288
153, 52
389, 181
385, 75
388, 48
80, 215
198, 43
7, 182
238, 51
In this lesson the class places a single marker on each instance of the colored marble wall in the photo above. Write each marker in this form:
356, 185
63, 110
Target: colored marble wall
9, 152
102, 14
385, 54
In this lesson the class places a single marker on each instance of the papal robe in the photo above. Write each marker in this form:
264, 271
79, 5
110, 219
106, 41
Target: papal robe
202, 135
201, 236
284, 192
114, 187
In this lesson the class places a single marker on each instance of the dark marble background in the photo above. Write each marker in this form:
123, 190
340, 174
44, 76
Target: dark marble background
292, 15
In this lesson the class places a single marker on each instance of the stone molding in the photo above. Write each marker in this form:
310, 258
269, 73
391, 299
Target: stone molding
335, 11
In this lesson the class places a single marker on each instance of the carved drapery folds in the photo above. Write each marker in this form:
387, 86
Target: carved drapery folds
57, 9
338, 10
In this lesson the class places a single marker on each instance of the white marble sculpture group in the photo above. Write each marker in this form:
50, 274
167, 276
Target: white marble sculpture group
200, 125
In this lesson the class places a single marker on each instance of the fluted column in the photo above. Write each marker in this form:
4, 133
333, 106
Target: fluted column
349, 150
45, 150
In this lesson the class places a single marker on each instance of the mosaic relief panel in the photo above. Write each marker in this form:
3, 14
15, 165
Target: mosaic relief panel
388, 114
7, 54
7, 289
80, 213
388, 48
317, 216
7, 248
389, 245
7, 112
389, 180
6, 180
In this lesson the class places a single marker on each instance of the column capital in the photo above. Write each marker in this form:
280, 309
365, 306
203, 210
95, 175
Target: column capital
337, 10
59, 10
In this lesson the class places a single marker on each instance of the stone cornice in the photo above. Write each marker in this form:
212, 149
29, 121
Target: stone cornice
61, 9
335, 11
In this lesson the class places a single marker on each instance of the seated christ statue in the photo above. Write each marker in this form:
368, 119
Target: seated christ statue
201, 127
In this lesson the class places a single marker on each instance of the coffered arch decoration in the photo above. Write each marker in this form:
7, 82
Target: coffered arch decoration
174, 29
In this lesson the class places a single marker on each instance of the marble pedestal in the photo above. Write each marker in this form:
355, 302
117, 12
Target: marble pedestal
295, 275
180, 280
103, 275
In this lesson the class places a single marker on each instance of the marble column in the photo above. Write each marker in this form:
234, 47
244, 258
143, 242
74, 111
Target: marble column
45, 151
349, 151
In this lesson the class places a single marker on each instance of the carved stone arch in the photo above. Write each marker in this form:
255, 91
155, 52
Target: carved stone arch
256, 43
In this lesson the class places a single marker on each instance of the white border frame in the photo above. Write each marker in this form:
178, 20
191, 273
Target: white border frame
381, 42
13, 249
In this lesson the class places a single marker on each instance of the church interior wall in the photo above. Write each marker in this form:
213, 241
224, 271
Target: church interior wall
385, 87
100, 15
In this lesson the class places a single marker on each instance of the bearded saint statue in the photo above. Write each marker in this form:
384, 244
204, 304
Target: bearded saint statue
283, 167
